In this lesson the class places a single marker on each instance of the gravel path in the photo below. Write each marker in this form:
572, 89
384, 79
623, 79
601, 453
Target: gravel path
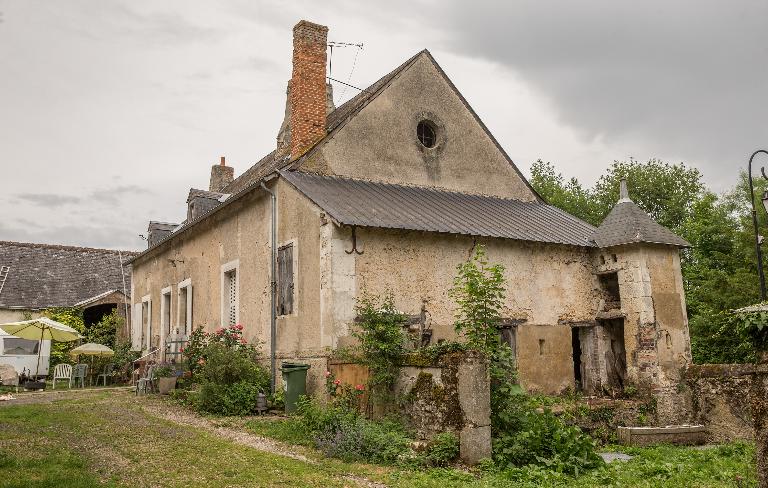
180, 416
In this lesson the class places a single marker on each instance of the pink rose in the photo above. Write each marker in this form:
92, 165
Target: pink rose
337, 382
359, 387
327, 374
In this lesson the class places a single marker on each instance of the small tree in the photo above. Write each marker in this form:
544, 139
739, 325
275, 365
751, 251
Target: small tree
479, 291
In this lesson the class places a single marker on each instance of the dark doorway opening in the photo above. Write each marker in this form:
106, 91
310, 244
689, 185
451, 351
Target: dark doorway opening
576, 344
615, 354
93, 315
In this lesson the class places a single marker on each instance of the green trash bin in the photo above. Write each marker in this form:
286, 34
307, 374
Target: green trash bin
294, 383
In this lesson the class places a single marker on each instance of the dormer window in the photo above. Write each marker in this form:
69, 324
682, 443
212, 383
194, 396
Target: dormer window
427, 133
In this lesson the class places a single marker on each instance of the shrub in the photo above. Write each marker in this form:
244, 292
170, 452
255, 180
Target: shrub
235, 399
443, 449
228, 370
341, 432
524, 436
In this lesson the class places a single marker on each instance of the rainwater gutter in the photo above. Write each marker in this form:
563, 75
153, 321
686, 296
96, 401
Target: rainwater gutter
273, 290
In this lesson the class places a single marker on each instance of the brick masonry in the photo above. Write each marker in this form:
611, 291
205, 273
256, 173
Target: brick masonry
308, 88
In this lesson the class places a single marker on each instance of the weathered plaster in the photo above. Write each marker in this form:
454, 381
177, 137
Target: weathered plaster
380, 142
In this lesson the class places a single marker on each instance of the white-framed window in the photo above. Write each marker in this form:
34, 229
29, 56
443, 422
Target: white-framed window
230, 293
184, 307
146, 321
165, 315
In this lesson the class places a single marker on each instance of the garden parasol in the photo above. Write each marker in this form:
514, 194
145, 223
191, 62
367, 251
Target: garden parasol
39, 330
92, 349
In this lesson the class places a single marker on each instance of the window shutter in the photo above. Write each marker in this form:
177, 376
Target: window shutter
188, 324
136, 327
285, 280
232, 298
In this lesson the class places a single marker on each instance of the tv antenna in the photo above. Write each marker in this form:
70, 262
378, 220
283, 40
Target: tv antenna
333, 44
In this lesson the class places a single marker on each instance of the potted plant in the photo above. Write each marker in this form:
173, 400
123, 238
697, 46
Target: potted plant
166, 379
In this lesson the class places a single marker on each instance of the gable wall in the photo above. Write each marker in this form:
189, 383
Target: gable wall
380, 142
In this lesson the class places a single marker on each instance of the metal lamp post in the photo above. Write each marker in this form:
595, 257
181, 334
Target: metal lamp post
764, 198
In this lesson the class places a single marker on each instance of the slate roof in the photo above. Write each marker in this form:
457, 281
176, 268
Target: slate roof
627, 224
197, 193
45, 275
384, 205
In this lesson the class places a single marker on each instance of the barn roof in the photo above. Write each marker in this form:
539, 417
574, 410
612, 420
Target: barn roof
45, 275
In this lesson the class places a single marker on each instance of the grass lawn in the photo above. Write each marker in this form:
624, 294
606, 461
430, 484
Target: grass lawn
105, 438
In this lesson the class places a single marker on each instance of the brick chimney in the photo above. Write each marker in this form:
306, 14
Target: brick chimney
221, 176
307, 94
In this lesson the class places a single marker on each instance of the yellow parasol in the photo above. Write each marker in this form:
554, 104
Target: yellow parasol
39, 330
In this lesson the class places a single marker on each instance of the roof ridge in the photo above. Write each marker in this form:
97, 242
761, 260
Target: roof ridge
64, 247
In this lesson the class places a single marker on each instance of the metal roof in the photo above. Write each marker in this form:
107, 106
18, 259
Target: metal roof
370, 204
628, 224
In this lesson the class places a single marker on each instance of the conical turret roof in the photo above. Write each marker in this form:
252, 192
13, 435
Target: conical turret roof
628, 224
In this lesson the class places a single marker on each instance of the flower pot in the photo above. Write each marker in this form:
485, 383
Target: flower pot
165, 385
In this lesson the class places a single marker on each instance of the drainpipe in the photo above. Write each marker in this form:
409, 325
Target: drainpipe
273, 290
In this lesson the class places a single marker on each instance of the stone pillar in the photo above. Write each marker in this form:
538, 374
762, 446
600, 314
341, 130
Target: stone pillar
475, 399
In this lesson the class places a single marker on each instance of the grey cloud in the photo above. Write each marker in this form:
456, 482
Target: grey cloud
50, 200
115, 237
683, 79
115, 194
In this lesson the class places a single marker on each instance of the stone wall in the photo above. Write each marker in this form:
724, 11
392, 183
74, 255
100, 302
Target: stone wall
719, 399
449, 394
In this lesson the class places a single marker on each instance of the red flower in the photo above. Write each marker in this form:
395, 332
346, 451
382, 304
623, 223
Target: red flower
336, 382
181, 349
239, 327
359, 387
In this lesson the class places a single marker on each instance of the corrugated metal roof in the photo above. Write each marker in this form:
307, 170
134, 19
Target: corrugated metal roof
628, 224
369, 204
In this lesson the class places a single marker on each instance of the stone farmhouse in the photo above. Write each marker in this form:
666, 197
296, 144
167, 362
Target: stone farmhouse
389, 192
34, 277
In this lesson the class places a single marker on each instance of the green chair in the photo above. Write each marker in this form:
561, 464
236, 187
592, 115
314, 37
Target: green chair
108, 369
79, 372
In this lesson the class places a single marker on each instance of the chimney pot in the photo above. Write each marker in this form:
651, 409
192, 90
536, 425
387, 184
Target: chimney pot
222, 161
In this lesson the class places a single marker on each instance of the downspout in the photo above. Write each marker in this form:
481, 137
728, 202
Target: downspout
273, 290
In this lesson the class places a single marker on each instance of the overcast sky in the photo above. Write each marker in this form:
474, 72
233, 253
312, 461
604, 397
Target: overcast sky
111, 110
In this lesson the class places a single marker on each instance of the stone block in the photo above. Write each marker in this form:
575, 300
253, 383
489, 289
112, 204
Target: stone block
683, 435
475, 444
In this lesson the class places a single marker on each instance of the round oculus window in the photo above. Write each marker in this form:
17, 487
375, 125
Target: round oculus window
427, 133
